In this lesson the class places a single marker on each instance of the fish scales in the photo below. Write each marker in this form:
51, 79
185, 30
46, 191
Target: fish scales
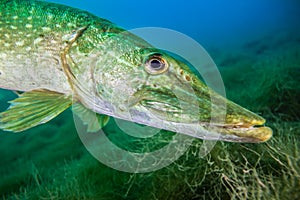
34, 34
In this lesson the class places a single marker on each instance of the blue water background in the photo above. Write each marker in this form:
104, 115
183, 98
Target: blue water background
210, 22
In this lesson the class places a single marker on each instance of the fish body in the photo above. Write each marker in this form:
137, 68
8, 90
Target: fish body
58, 55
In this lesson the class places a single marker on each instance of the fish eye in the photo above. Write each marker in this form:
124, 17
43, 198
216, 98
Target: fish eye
156, 64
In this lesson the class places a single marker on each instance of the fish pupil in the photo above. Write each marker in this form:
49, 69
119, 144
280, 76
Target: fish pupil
155, 64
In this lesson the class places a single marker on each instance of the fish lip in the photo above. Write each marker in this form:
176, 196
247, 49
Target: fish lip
252, 133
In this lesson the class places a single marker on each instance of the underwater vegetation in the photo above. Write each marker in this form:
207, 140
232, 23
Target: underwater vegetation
50, 162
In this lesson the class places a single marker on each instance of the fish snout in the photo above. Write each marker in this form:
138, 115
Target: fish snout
244, 124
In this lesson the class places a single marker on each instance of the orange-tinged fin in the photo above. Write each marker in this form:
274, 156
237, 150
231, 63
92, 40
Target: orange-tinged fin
33, 108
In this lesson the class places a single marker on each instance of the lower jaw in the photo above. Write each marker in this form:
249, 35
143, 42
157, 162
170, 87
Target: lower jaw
231, 133
250, 134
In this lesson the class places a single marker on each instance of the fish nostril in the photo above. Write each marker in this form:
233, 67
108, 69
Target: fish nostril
181, 72
187, 78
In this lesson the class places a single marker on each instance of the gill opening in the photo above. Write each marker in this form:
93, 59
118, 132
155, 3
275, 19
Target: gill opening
67, 61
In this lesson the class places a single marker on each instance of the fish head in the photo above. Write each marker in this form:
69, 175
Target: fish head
173, 92
153, 82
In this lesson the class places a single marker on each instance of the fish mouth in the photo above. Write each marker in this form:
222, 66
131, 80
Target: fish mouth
252, 133
237, 124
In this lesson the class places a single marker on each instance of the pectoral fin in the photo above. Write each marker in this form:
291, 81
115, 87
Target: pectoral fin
33, 108
94, 121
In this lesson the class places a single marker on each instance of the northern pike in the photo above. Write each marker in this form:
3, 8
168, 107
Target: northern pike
57, 56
